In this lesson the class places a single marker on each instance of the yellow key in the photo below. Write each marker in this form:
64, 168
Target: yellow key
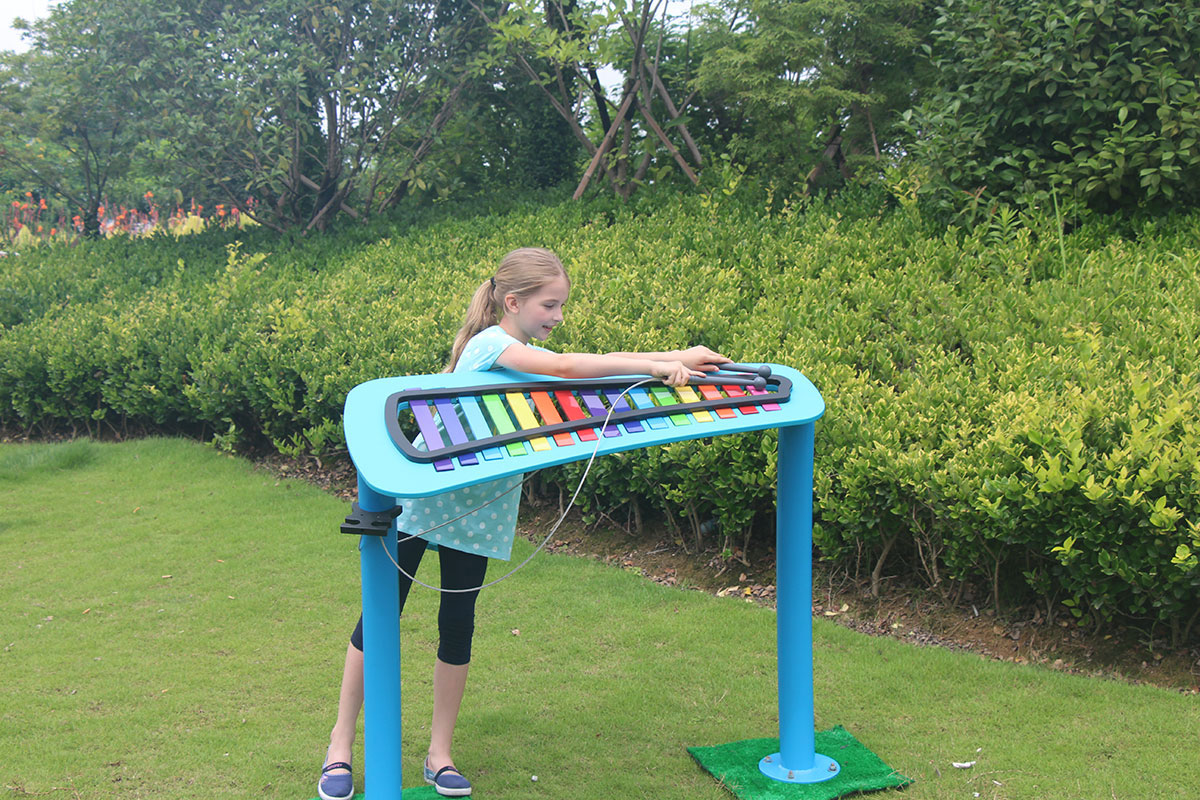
688, 395
526, 419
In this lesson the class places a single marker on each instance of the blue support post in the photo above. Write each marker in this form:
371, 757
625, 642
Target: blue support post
381, 651
797, 761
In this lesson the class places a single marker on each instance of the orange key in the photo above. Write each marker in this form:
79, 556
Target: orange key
550, 415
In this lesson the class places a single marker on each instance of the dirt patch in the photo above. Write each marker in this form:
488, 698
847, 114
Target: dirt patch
334, 474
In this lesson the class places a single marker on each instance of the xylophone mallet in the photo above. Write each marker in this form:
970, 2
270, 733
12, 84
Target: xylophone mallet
762, 370
715, 378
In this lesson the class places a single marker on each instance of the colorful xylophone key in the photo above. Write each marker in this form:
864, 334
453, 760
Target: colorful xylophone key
514, 420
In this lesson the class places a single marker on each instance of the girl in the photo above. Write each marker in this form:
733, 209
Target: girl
522, 302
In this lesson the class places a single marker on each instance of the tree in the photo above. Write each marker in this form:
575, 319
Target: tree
70, 115
310, 106
809, 90
1097, 99
560, 46
507, 135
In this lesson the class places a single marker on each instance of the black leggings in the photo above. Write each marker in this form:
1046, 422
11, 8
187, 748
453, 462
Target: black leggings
456, 615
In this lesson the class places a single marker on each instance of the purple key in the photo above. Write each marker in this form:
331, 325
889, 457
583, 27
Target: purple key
621, 404
596, 408
454, 428
433, 439
765, 406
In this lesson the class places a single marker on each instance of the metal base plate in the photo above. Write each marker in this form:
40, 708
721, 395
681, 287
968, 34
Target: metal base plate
823, 769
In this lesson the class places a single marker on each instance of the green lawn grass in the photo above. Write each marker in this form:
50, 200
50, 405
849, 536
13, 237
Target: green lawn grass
173, 623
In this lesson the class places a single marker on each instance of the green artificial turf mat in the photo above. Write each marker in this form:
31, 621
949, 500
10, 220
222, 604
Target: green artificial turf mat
735, 765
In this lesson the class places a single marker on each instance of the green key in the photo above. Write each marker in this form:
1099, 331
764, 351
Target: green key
666, 397
503, 422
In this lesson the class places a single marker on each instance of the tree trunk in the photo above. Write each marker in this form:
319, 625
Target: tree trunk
91, 220
833, 153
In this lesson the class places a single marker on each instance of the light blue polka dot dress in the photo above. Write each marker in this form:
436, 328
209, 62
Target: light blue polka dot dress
489, 529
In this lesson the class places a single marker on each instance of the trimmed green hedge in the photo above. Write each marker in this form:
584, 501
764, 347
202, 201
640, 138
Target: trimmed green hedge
1008, 409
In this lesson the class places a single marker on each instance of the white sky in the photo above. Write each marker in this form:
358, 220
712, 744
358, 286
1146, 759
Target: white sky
29, 10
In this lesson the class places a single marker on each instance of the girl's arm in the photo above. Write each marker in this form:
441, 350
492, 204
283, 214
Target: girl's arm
697, 358
674, 372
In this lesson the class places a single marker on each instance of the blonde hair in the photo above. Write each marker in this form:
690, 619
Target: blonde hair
521, 273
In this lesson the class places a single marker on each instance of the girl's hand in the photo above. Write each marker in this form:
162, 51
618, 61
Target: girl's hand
674, 373
701, 358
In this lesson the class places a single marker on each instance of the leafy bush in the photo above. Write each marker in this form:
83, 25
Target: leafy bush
1011, 409
1095, 97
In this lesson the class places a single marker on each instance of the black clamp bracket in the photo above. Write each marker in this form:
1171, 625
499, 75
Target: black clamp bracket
370, 523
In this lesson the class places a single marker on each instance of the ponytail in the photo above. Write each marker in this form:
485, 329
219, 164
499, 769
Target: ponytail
521, 273
483, 312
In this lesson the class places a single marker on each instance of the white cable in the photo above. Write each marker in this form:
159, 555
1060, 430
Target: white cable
553, 530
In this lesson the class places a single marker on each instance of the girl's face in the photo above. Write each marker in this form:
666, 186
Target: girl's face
535, 316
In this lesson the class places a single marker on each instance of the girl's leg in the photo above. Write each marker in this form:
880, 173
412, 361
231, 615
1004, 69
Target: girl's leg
456, 626
350, 698
449, 685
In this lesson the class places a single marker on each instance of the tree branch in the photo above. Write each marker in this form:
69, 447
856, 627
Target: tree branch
607, 141
661, 134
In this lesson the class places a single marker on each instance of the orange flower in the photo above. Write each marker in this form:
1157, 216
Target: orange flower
53, 231
42, 204
39, 229
29, 195
149, 195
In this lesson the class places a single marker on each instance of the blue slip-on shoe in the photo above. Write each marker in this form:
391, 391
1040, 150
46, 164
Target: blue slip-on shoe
336, 787
447, 781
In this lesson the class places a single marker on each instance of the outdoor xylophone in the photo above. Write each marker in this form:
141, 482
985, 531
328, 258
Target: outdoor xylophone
424, 435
